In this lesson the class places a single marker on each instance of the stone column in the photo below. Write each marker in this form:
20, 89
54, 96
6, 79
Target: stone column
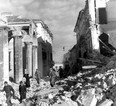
35, 62
40, 60
18, 57
94, 35
29, 58
4, 58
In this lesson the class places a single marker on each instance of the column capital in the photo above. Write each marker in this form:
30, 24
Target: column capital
35, 46
16, 31
4, 28
29, 43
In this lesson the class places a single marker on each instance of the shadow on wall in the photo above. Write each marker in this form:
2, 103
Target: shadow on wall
106, 49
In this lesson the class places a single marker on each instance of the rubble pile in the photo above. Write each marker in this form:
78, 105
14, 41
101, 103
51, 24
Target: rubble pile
35, 87
44, 84
95, 58
95, 55
94, 87
110, 65
84, 89
3, 99
16, 88
105, 82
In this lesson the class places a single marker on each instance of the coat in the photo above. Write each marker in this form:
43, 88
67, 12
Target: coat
22, 91
8, 90
27, 80
52, 76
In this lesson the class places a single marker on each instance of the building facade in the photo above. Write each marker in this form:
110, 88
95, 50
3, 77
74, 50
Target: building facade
83, 32
26, 46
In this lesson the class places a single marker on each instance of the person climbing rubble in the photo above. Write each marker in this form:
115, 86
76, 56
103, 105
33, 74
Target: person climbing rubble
9, 92
52, 76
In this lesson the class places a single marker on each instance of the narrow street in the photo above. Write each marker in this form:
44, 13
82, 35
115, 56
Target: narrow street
57, 52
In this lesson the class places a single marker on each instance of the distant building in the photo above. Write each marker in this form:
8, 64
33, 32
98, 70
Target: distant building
70, 60
25, 45
66, 59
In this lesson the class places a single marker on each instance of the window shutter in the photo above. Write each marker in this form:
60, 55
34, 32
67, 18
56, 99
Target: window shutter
102, 16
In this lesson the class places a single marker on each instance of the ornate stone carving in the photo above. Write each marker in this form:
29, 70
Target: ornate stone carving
17, 31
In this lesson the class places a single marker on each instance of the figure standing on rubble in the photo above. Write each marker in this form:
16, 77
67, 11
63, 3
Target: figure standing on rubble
22, 91
52, 76
37, 76
9, 93
26, 75
57, 72
61, 72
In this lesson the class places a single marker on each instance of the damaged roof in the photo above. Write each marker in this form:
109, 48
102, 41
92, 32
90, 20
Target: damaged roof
16, 19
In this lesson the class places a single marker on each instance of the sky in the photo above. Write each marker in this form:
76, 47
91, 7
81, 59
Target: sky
59, 15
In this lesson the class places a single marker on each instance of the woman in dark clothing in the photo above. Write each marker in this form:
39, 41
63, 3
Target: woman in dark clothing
27, 80
22, 91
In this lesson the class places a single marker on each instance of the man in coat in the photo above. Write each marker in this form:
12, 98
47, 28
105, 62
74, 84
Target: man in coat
9, 92
52, 76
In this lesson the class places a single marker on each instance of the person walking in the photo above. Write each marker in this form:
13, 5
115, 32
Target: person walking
52, 76
37, 76
9, 93
22, 91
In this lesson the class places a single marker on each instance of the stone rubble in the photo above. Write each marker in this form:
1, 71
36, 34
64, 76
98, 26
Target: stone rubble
94, 87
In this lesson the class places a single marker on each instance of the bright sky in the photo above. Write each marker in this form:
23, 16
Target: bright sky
59, 15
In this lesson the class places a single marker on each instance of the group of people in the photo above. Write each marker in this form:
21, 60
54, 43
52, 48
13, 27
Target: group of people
25, 83
8, 89
55, 74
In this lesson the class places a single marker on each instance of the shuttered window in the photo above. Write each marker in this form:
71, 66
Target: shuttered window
102, 16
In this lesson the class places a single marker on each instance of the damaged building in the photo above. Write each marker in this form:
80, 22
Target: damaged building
96, 28
26, 45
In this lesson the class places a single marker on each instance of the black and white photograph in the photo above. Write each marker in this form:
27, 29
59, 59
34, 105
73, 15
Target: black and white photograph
57, 52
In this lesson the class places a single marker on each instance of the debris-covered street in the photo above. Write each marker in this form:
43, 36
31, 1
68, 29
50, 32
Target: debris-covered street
57, 52
93, 87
